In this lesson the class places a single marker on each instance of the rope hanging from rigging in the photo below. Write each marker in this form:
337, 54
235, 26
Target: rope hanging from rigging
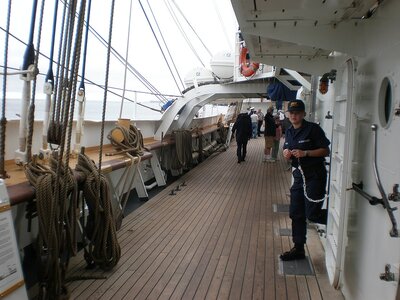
31, 113
57, 226
56, 187
103, 249
3, 120
159, 46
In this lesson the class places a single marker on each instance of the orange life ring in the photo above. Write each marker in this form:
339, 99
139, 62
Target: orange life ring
247, 69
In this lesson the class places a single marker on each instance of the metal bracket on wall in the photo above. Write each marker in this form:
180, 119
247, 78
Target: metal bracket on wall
394, 231
395, 196
387, 275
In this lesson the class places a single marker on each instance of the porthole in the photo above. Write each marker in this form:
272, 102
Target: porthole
385, 102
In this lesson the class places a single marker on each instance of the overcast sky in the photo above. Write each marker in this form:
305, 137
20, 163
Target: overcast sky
144, 53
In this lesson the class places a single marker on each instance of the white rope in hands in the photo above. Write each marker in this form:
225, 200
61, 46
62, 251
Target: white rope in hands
305, 187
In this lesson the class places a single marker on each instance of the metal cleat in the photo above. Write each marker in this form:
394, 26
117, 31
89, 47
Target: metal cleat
388, 275
395, 196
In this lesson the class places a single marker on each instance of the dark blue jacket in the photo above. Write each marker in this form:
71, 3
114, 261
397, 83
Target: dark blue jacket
270, 127
242, 127
309, 136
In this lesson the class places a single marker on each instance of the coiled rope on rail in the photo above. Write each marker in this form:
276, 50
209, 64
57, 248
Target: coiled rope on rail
222, 131
130, 139
103, 249
182, 156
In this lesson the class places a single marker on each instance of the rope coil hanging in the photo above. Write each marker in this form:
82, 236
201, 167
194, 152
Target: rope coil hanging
57, 226
182, 156
103, 249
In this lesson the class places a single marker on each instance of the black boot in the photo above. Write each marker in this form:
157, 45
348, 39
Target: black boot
297, 252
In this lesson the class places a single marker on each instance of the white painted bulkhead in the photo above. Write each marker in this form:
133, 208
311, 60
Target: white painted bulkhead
279, 33
367, 245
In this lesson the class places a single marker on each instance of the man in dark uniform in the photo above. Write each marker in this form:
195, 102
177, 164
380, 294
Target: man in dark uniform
243, 130
306, 146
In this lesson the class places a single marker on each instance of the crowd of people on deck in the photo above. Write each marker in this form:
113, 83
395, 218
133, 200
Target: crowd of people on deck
251, 124
304, 148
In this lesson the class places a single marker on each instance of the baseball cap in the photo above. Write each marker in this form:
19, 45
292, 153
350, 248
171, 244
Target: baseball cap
296, 105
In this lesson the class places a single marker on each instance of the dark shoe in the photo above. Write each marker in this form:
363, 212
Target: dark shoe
239, 161
293, 254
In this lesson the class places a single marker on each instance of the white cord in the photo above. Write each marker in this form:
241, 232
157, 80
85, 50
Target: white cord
305, 187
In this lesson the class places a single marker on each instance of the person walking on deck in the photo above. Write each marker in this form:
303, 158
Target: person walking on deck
254, 124
306, 146
260, 116
269, 133
243, 130
277, 139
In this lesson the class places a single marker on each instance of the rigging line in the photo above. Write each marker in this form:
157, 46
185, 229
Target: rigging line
31, 115
29, 55
92, 82
3, 121
126, 59
103, 117
74, 73
82, 85
88, 81
177, 23
166, 46
119, 95
222, 24
143, 92
191, 27
69, 70
134, 71
59, 70
159, 45
50, 75
62, 76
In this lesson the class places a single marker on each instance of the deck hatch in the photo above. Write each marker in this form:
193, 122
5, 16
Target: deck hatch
285, 232
296, 267
280, 208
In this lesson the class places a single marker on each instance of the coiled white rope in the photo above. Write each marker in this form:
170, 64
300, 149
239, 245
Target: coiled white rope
305, 187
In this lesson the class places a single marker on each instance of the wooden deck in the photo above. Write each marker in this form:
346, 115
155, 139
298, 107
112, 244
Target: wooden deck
216, 238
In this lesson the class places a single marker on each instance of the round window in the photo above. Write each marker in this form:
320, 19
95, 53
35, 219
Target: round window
385, 102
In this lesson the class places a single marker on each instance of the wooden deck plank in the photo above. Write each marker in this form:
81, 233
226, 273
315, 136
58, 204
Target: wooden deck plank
221, 255
191, 268
214, 239
154, 235
250, 270
281, 189
197, 286
315, 293
224, 290
302, 288
157, 290
193, 233
153, 224
280, 282
259, 272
